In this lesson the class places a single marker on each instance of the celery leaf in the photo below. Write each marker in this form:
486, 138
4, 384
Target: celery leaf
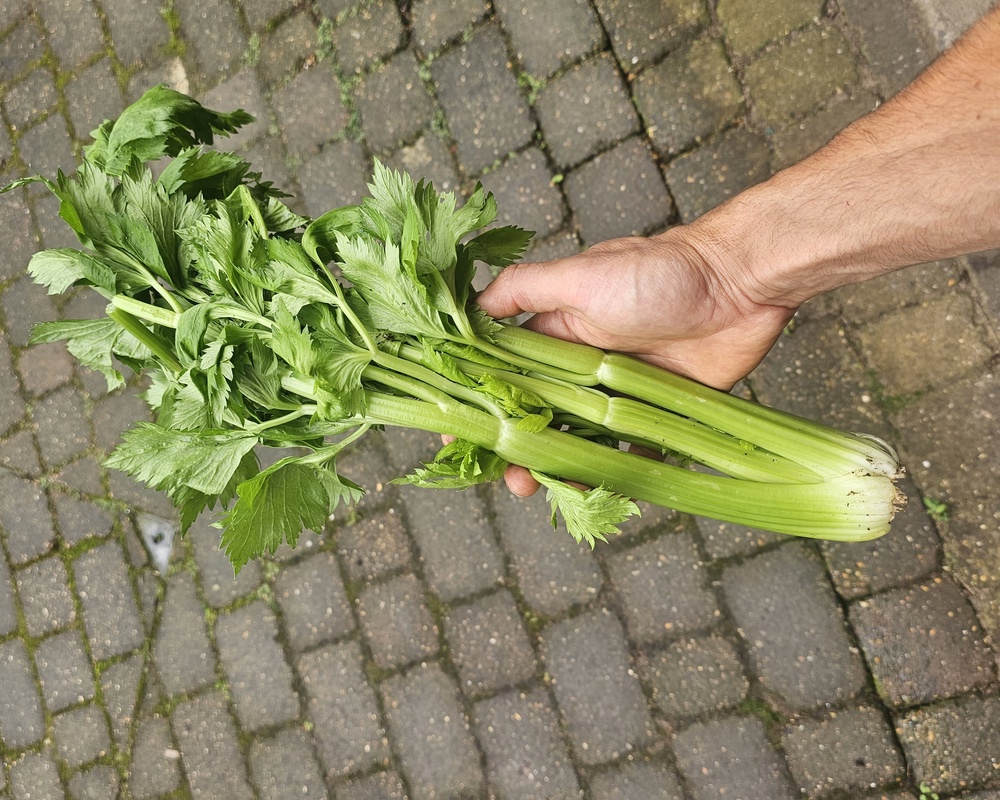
590, 514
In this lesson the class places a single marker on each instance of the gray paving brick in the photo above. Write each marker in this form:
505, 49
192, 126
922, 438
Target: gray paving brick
637, 780
394, 105
19, 454
397, 623
21, 721
721, 168
45, 596
547, 38
120, 684
17, 237
171, 72
850, 750
619, 193
303, 129
8, 606
114, 414
336, 177
138, 29
373, 33
109, 610
663, 588
313, 602
488, 643
486, 113
799, 75
428, 158
454, 540
748, 28
259, 677
182, 651
348, 732
47, 148
922, 643
553, 573
260, 12
912, 286
239, 90
585, 110
526, 194
30, 98
731, 757
380, 786
35, 775
287, 48
687, 96
82, 735
21, 47
525, 754
268, 157
953, 745
73, 29
598, 692
642, 31
437, 22
98, 783
284, 767
11, 404
45, 367
212, 35
218, 583
61, 428
694, 677
432, 735
208, 744
562, 245
83, 475
726, 540
64, 671
374, 546
24, 518
155, 769
24, 305
811, 662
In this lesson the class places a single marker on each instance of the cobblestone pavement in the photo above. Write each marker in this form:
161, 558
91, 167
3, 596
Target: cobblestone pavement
451, 645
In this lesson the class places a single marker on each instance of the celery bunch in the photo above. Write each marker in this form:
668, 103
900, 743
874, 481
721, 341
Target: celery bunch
257, 326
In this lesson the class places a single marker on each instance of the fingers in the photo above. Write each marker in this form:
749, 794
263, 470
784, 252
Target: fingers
519, 481
526, 287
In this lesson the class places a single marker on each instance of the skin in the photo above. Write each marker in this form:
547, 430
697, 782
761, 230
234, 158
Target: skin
914, 181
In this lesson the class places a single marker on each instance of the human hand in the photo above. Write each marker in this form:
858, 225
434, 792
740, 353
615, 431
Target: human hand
666, 299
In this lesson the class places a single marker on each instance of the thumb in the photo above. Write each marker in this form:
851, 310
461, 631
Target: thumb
535, 288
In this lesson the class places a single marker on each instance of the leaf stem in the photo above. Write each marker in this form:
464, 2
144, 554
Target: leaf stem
155, 343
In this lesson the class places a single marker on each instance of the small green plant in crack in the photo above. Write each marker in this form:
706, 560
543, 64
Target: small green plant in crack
927, 794
937, 509
531, 84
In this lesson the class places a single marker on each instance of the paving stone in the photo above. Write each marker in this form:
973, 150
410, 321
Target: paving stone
284, 767
25, 305
30, 98
562, 245
155, 769
72, 28
923, 643
368, 36
109, 610
336, 177
526, 194
35, 775
731, 757
726, 540
913, 286
24, 518
208, 744
98, 783
218, 583
182, 651
120, 684
619, 193
64, 671
21, 721
397, 623
721, 168
138, 29
525, 754
694, 677
808, 663
394, 104
240, 90
953, 745
303, 129
585, 110
748, 28
486, 112
849, 750
372, 547
637, 780
286, 49
941, 333
662, 585
380, 786
212, 36
80, 519
19, 454
82, 735
11, 404
22, 46
553, 572
114, 414
432, 736
260, 679
8, 606
261, 12
47, 148
347, 729
910, 550
488, 644
45, 367
171, 72
268, 157
17, 237
428, 158
642, 31
547, 38
603, 709
313, 602
803, 138
454, 540
799, 75
437, 22
45, 596
61, 425
687, 96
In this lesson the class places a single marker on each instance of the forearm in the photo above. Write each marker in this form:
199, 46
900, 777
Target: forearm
916, 180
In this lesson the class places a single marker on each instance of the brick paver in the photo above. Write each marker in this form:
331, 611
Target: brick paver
453, 645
